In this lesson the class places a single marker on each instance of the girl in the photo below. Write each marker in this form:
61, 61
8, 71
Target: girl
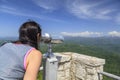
21, 59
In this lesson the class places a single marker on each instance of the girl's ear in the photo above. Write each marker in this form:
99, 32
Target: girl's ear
38, 37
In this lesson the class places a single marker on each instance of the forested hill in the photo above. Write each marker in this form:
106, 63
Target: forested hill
111, 44
94, 40
7, 39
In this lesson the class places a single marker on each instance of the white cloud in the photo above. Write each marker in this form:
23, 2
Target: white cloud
4, 0
114, 34
20, 12
47, 4
82, 9
6, 8
11, 10
79, 8
103, 14
117, 19
82, 34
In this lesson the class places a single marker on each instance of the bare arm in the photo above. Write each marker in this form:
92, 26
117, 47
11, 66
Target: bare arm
33, 64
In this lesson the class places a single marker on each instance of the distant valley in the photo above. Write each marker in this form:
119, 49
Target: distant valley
111, 44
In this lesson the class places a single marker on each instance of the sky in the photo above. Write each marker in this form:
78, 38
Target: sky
76, 18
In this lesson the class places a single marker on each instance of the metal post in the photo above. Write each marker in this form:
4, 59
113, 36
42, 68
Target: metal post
50, 62
109, 75
50, 65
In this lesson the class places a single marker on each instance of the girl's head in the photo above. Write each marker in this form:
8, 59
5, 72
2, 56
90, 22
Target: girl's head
30, 33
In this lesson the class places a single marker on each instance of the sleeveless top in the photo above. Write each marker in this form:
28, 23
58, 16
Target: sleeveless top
12, 61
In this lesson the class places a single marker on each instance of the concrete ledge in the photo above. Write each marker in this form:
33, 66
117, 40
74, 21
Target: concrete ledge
74, 66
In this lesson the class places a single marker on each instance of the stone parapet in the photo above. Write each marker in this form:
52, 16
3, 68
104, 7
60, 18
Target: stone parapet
74, 66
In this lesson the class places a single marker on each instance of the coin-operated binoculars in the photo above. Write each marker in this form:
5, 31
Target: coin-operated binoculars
50, 62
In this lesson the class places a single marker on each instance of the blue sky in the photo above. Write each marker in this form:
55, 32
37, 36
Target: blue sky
86, 18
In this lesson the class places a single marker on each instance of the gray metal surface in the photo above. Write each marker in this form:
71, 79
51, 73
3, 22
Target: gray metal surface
109, 75
50, 69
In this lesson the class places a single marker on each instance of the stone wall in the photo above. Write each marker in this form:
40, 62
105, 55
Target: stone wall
74, 66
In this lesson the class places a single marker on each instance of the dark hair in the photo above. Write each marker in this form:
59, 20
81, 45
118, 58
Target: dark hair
28, 33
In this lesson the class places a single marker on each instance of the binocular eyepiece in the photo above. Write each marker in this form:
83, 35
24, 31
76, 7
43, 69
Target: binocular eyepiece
47, 38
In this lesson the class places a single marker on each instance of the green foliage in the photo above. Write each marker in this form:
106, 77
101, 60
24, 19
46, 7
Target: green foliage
40, 75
